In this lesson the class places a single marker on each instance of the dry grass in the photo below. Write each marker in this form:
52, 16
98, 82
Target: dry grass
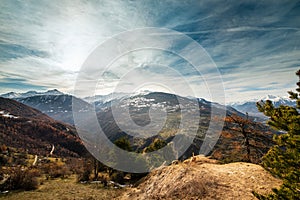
65, 189
201, 179
204, 179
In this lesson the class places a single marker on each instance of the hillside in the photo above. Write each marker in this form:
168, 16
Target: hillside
201, 179
155, 115
147, 111
30, 130
65, 189
21, 110
204, 179
57, 106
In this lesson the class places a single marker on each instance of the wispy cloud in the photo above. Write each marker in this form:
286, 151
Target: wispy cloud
253, 44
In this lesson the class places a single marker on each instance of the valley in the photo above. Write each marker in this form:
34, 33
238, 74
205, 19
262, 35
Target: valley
157, 99
43, 138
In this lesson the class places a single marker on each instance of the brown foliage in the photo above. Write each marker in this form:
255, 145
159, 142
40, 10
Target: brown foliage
242, 139
35, 132
20, 179
54, 170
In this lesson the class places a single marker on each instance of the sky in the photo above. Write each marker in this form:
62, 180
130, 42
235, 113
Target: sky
248, 49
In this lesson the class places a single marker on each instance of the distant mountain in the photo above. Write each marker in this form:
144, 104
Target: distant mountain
105, 98
144, 117
58, 106
29, 130
139, 106
13, 95
251, 109
52, 102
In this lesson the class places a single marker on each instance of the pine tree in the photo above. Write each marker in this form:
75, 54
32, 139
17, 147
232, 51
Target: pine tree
123, 143
283, 160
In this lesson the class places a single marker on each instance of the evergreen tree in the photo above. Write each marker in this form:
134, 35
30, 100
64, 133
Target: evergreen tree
123, 143
155, 145
283, 160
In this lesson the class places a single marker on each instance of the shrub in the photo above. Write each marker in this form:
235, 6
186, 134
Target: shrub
19, 178
84, 175
118, 177
54, 170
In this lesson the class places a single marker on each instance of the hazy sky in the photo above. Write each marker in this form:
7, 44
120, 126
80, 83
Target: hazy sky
255, 45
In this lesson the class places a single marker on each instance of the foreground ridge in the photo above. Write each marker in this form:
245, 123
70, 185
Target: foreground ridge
204, 178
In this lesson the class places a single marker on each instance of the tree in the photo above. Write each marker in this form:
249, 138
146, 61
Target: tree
155, 145
252, 135
243, 126
123, 143
283, 159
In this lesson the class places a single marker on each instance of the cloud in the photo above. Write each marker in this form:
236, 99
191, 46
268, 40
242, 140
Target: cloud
12, 51
253, 44
18, 84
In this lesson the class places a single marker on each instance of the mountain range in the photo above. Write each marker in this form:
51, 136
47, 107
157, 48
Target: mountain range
250, 106
156, 115
12, 95
58, 105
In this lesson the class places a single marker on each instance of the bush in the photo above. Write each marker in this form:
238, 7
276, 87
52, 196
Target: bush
20, 179
118, 177
84, 175
75, 165
53, 170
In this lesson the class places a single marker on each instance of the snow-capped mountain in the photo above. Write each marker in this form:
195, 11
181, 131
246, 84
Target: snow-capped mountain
251, 109
105, 98
52, 102
143, 117
152, 109
58, 107
277, 100
13, 95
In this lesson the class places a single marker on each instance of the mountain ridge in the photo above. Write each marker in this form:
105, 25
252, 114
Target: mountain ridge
34, 132
154, 113
58, 107
12, 95
250, 106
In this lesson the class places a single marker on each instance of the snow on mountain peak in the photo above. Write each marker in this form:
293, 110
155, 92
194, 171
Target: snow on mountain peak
269, 97
12, 95
272, 98
53, 92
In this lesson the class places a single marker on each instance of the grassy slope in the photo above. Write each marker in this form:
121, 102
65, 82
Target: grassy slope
201, 179
65, 189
